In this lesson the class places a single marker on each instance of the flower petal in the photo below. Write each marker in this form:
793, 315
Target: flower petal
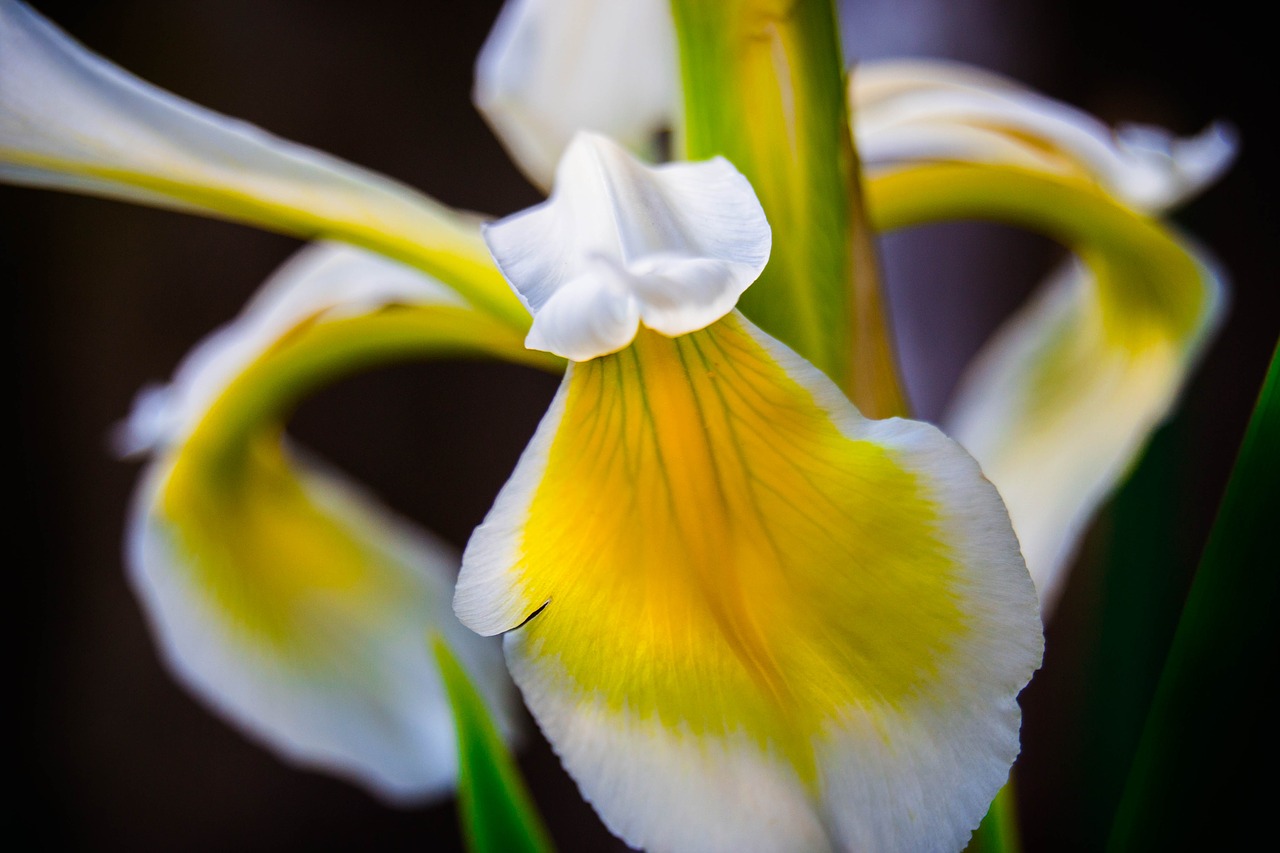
71, 120
287, 599
551, 68
299, 608
932, 110
324, 279
680, 241
593, 314
749, 618
1061, 401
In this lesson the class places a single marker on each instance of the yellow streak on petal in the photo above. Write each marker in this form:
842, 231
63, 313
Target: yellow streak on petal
720, 556
1149, 286
1093, 350
266, 554
1059, 403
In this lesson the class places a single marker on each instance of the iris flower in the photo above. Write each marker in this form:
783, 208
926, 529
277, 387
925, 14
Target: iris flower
1059, 404
744, 614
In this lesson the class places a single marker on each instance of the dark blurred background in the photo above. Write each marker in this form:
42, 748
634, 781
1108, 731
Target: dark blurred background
109, 297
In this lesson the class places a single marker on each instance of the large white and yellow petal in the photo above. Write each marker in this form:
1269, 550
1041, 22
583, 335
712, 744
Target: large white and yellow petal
551, 68
929, 110
71, 120
290, 601
1061, 401
748, 618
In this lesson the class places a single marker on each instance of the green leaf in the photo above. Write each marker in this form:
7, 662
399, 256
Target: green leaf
496, 811
1145, 566
764, 86
998, 832
1195, 778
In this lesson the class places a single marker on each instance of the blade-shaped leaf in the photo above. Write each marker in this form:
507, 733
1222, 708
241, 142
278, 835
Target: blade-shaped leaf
497, 814
998, 832
1212, 716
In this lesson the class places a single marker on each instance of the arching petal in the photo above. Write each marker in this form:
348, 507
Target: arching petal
71, 120
551, 68
928, 110
329, 279
1059, 404
749, 618
289, 600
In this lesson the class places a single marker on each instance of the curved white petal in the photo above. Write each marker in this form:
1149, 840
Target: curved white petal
932, 110
322, 279
594, 313
681, 241
551, 68
72, 120
290, 601
1060, 402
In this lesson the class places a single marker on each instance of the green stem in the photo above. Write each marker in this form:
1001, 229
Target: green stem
764, 86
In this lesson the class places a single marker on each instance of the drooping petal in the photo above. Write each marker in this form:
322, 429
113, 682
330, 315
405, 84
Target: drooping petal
923, 110
289, 600
297, 607
73, 121
620, 243
749, 618
1059, 404
551, 68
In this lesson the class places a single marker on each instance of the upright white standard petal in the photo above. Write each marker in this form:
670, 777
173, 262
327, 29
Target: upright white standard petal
551, 68
71, 120
289, 600
922, 110
620, 243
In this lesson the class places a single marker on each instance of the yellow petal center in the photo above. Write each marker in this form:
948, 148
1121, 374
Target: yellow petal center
721, 555
269, 557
